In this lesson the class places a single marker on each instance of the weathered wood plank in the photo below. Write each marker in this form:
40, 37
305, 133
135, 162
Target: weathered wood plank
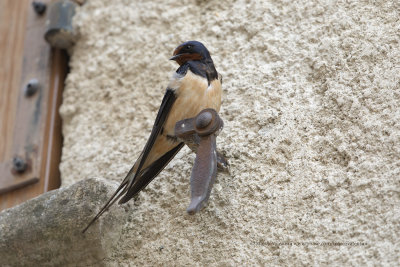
36, 131
12, 36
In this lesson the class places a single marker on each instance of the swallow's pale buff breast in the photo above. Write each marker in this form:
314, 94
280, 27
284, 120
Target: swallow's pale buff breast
193, 95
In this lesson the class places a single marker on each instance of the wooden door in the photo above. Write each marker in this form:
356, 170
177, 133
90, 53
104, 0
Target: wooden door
31, 80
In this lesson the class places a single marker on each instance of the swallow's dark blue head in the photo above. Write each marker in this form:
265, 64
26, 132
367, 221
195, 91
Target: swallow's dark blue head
191, 50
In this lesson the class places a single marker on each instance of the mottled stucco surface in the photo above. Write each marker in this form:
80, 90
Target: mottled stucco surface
311, 110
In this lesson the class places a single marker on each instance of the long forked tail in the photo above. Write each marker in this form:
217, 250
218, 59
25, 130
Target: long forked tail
110, 202
132, 185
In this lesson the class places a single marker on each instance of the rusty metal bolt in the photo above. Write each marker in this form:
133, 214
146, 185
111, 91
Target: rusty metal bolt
203, 120
32, 87
19, 164
39, 7
207, 122
60, 32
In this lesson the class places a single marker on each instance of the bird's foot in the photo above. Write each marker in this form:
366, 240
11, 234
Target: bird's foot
222, 162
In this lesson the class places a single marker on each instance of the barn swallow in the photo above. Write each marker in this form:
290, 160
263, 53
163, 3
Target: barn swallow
196, 85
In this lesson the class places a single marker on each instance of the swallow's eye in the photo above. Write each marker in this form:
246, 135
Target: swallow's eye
189, 47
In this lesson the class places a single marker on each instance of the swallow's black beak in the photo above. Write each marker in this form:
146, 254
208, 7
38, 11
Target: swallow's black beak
175, 57
176, 54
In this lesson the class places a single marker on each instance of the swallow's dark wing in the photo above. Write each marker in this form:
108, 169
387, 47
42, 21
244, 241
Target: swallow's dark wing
129, 184
149, 173
166, 105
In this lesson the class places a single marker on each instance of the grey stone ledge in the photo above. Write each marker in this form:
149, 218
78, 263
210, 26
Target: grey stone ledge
47, 230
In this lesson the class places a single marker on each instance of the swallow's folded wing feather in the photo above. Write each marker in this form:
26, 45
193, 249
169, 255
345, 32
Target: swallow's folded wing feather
137, 179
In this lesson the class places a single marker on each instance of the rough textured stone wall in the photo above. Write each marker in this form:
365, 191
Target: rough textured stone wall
311, 110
